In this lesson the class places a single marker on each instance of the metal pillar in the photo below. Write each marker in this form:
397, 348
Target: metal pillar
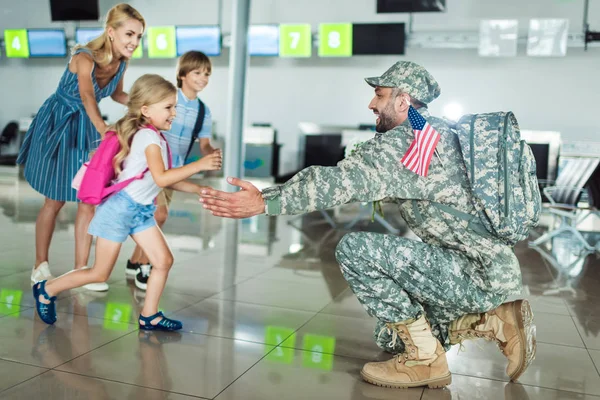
238, 62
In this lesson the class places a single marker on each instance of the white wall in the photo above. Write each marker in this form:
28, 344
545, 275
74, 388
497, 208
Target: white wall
545, 93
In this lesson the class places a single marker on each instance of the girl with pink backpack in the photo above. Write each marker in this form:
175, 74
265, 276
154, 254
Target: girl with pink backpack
125, 178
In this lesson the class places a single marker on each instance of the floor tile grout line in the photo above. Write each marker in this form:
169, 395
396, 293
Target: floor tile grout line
134, 385
302, 326
247, 278
583, 340
366, 317
97, 318
26, 380
235, 339
245, 372
550, 313
123, 383
23, 363
273, 349
191, 305
593, 362
564, 345
17, 312
94, 349
267, 305
257, 304
527, 384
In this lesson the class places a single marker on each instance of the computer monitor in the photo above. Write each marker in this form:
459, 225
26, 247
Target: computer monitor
206, 39
378, 39
263, 40
84, 35
410, 6
545, 146
47, 43
70, 10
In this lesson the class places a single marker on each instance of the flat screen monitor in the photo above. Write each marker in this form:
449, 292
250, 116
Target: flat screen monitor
47, 43
541, 151
263, 40
545, 146
378, 39
84, 35
410, 6
74, 10
206, 39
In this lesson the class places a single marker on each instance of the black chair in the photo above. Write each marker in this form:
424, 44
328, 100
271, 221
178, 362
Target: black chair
9, 134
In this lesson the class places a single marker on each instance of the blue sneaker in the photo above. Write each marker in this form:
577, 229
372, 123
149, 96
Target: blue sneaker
47, 312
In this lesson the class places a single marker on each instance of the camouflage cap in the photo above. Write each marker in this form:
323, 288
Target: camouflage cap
411, 78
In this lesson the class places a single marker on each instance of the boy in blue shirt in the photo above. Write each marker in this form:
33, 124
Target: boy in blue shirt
193, 120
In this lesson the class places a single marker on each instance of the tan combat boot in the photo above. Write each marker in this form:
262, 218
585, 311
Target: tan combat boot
510, 326
423, 362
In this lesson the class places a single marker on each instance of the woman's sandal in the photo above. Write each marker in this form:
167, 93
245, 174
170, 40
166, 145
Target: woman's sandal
165, 324
47, 312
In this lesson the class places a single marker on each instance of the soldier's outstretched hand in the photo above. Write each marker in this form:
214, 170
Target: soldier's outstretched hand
246, 203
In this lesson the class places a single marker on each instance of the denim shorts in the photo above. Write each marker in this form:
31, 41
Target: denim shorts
120, 216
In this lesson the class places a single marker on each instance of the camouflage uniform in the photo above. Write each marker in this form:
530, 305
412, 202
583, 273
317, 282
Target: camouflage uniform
454, 270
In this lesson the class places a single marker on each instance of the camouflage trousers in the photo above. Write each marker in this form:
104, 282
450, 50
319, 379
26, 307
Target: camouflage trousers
397, 279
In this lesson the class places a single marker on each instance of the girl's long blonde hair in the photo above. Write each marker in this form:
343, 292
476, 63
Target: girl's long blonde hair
147, 90
101, 47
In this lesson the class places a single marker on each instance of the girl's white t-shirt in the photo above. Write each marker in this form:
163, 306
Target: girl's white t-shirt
143, 190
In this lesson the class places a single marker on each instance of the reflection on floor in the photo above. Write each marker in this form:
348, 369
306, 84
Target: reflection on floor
272, 320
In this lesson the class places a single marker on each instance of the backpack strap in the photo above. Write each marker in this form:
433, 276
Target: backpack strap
473, 221
197, 127
170, 156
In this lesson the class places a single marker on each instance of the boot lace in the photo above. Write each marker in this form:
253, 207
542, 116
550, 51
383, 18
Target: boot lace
395, 332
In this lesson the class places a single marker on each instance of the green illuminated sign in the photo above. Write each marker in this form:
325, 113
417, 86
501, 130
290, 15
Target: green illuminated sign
275, 335
116, 316
319, 351
161, 42
10, 301
295, 40
335, 40
16, 43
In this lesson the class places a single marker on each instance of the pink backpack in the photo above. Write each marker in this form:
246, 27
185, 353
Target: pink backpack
94, 180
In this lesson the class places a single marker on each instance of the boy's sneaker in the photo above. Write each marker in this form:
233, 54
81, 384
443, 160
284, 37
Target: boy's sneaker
132, 268
143, 273
41, 273
96, 286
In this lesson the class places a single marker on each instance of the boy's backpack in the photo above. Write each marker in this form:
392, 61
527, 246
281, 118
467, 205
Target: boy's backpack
197, 127
94, 181
502, 175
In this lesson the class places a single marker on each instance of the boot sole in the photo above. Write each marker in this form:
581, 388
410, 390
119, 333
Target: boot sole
526, 329
436, 383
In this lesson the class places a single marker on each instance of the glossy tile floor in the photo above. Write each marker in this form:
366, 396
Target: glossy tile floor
268, 318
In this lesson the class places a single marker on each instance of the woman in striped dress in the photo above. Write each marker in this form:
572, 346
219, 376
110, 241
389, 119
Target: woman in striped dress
69, 125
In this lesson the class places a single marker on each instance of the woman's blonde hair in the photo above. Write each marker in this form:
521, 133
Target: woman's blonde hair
101, 46
147, 90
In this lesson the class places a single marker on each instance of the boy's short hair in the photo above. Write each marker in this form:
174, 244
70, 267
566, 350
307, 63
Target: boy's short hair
190, 61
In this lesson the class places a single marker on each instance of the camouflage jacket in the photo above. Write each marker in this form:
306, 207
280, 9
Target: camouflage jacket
374, 172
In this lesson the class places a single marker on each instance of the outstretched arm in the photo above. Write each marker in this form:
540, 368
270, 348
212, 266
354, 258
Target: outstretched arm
168, 177
84, 65
357, 178
188, 187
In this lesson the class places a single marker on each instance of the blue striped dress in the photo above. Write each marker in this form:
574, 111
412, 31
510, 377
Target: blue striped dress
61, 136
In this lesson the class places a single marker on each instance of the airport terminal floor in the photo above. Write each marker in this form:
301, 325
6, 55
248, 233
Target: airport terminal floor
266, 315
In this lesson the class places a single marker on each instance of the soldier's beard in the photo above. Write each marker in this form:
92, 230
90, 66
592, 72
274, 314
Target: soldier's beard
386, 119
